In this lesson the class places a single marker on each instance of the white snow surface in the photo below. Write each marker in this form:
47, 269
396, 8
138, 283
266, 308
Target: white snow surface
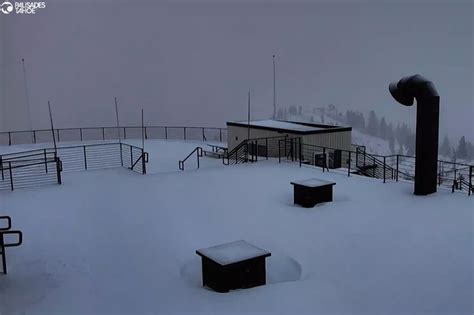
312, 182
232, 252
116, 242
281, 125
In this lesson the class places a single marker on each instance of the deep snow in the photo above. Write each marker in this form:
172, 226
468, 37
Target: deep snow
114, 241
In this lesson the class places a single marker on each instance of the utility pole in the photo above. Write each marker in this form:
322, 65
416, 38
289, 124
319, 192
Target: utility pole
274, 89
248, 117
52, 129
26, 94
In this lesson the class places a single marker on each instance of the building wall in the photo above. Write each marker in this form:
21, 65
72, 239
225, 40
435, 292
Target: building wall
235, 135
337, 140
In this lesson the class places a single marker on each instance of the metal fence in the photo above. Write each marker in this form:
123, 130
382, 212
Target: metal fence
44, 166
112, 133
456, 176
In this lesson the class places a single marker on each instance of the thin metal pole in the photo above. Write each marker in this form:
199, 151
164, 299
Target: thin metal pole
117, 118
143, 133
248, 117
26, 94
52, 130
274, 89
118, 130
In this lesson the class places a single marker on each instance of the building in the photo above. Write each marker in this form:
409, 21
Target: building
313, 136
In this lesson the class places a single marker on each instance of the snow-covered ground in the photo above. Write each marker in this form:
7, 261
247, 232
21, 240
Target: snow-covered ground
116, 242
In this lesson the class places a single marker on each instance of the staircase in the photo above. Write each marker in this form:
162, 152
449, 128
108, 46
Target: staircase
371, 166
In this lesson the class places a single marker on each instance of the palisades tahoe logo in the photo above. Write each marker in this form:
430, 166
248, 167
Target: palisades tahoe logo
8, 7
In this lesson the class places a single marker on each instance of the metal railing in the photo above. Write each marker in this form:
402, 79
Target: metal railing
112, 133
250, 150
198, 151
455, 176
3, 245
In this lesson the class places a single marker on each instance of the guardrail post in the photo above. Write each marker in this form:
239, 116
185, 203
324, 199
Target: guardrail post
384, 169
349, 164
220, 134
9, 138
184, 131
85, 157
11, 174
58, 170
166, 133
143, 163
80, 131
121, 155
124, 133
203, 136
266, 148
57, 131
103, 133
1, 167
397, 167
34, 136
45, 161
470, 179
131, 157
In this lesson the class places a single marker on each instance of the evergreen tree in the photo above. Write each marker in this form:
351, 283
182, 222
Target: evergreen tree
445, 148
391, 144
462, 149
300, 110
383, 129
372, 124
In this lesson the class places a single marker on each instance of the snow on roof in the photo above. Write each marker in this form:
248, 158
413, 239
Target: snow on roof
290, 126
233, 252
313, 182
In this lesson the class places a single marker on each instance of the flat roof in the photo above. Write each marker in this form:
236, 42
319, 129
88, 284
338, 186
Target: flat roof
289, 126
229, 253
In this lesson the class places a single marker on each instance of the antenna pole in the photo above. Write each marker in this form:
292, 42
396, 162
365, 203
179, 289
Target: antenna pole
143, 132
26, 94
274, 89
248, 117
52, 129
117, 117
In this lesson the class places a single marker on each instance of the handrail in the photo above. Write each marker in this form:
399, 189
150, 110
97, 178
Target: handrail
12, 232
9, 222
199, 154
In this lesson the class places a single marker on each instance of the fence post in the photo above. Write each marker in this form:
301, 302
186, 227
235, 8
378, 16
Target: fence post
384, 169
143, 163
299, 150
57, 131
80, 132
266, 148
34, 136
103, 133
279, 151
9, 138
220, 134
184, 131
58, 170
121, 155
11, 175
203, 136
131, 157
397, 166
124, 133
349, 164
85, 158
1, 167
166, 133
45, 161
470, 179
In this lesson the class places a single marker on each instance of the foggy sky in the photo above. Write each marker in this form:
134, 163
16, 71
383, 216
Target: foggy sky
192, 64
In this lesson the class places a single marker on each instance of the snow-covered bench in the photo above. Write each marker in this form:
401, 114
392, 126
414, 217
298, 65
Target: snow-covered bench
5, 230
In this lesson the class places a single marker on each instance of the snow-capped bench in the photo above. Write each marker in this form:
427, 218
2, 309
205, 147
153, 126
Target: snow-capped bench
6, 231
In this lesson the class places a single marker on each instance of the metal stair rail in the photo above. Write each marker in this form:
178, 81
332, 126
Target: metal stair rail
198, 151
3, 245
